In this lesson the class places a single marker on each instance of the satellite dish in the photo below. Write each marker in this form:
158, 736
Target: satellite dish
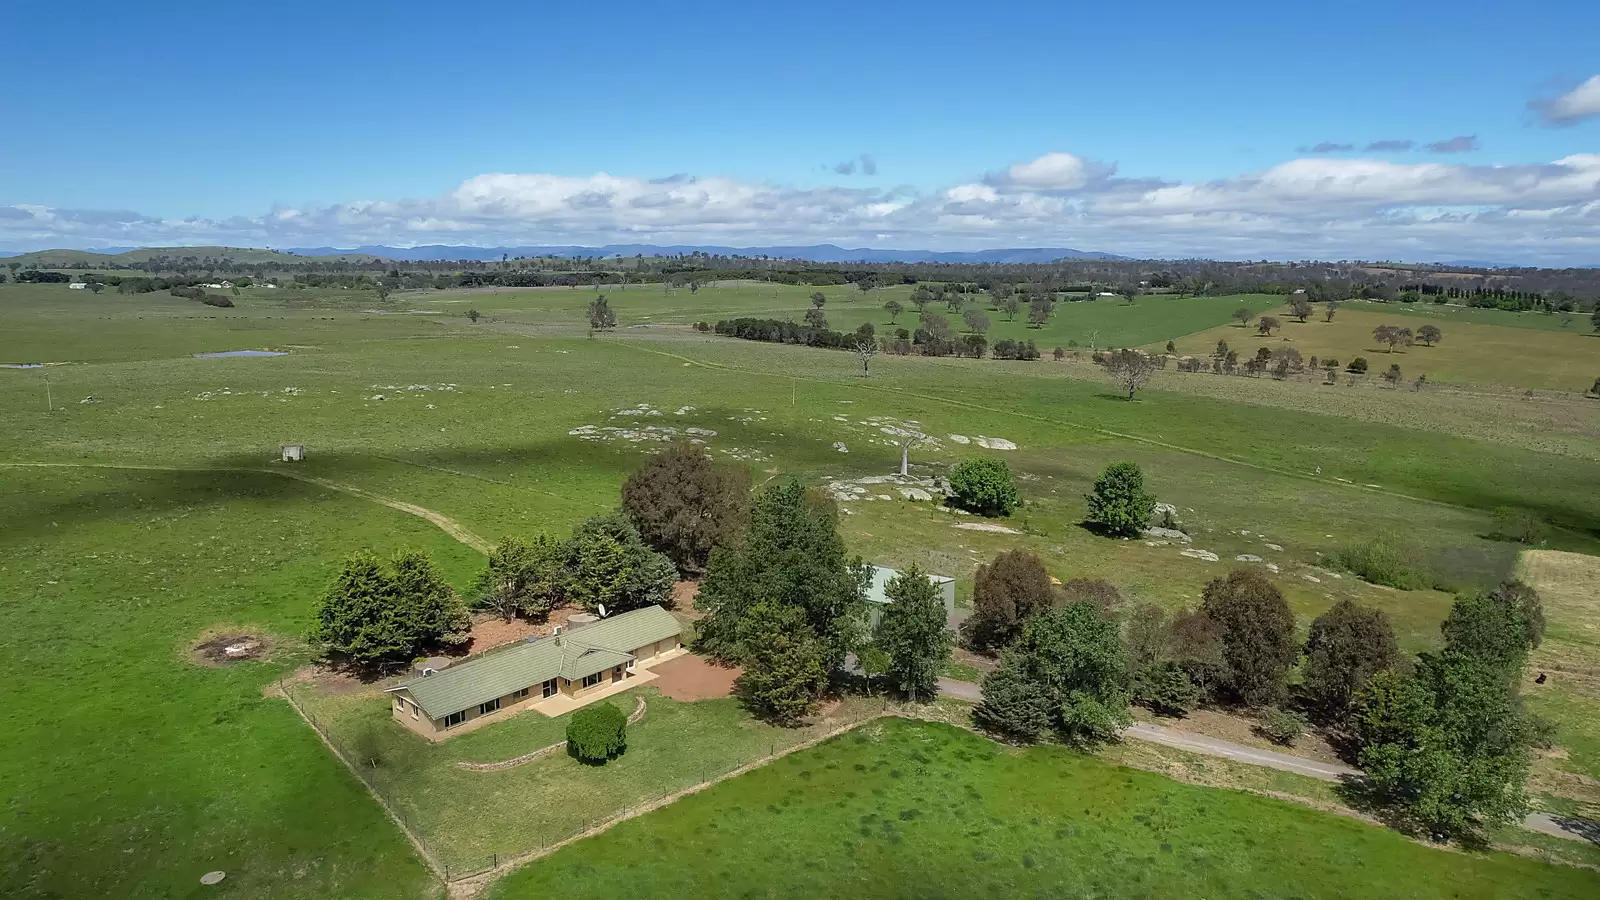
602, 608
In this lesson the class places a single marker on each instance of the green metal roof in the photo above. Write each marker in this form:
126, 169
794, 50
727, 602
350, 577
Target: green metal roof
574, 655
877, 592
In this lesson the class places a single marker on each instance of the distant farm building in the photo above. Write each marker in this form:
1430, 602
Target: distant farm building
78, 285
553, 675
294, 452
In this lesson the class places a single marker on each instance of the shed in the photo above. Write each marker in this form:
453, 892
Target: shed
294, 452
878, 597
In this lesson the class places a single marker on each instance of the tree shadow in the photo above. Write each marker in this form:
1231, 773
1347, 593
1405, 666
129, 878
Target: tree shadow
1363, 795
1588, 829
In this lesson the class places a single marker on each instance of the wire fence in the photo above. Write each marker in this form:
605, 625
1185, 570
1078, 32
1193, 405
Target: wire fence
452, 866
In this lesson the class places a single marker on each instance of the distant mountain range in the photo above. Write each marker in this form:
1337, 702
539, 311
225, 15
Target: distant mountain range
812, 253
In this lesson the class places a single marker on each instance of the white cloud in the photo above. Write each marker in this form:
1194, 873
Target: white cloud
1312, 207
1051, 172
1582, 102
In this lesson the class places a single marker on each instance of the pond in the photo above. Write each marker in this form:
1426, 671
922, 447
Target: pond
241, 353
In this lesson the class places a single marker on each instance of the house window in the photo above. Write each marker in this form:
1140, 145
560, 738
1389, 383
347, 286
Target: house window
519, 694
630, 665
549, 688
400, 703
592, 680
455, 719
485, 708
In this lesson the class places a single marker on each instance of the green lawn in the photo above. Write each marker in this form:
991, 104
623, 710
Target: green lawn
1440, 313
465, 816
912, 809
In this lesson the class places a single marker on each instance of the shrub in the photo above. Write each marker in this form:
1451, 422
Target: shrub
1282, 726
1119, 501
1348, 645
1388, 560
1358, 366
217, 300
597, 733
984, 485
683, 504
1099, 593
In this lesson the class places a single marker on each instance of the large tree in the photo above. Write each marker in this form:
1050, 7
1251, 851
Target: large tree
1497, 629
1068, 664
784, 667
912, 634
1130, 369
1257, 632
1005, 594
373, 614
1348, 645
1119, 503
1447, 747
609, 565
792, 555
683, 504
522, 578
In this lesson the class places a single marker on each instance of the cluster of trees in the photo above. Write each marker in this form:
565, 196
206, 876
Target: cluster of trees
604, 564
779, 331
376, 612
783, 601
1443, 739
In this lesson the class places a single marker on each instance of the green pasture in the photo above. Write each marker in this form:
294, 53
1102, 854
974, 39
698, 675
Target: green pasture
1470, 352
129, 770
902, 808
109, 574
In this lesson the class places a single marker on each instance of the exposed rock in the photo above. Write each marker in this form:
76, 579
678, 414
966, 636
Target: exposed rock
1310, 577
960, 439
986, 526
992, 443
917, 494
1171, 534
1247, 557
1275, 547
839, 446
1273, 568
1206, 555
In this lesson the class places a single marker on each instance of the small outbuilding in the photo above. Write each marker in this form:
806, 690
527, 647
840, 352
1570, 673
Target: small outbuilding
294, 452
878, 598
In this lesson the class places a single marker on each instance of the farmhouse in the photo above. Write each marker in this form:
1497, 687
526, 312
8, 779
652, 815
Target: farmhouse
878, 598
553, 675
78, 285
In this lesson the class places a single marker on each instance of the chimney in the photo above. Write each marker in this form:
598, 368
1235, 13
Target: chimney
557, 632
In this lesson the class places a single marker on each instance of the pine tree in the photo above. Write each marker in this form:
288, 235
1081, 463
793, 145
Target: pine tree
784, 671
912, 633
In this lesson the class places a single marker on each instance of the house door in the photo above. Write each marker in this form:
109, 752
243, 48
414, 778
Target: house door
616, 674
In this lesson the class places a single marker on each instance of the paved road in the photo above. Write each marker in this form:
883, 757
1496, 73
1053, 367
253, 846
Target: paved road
1544, 823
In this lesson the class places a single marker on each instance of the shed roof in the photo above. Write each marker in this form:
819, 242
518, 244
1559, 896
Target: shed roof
882, 575
593, 648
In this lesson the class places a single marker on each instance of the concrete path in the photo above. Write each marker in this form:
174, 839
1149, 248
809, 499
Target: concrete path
1544, 823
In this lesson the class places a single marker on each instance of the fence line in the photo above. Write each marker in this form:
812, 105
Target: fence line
390, 809
462, 868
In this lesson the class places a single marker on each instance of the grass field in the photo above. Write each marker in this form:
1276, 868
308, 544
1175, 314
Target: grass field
109, 574
909, 809
1470, 353
1569, 583
129, 770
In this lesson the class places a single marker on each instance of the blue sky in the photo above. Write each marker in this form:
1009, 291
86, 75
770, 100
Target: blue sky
294, 123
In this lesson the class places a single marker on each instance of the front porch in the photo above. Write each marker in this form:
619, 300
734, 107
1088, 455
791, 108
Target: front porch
561, 703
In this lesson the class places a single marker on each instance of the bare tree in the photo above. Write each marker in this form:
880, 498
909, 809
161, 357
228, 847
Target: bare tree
1244, 314
1130, 369
906, 439
866, 349
1300, 307
1329, 310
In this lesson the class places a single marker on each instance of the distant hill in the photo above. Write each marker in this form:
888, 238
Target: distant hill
125, 256
812, 253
